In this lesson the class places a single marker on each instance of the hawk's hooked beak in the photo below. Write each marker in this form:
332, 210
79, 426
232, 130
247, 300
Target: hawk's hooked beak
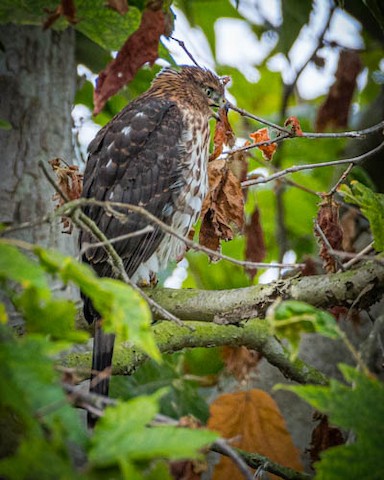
218, 101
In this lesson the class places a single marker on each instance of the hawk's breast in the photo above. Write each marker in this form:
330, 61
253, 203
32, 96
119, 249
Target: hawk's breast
185, 207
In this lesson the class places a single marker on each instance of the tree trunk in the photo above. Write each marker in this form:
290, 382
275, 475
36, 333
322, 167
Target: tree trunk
37, 84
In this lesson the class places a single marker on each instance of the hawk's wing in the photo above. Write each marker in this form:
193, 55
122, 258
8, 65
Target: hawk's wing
135, 159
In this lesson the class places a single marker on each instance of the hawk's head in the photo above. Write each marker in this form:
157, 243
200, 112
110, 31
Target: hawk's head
195, 86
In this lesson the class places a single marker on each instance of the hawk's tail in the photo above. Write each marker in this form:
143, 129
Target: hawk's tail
101, 364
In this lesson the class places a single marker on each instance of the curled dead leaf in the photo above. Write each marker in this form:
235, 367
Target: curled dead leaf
260, 136
240, 361
223, 207
323, 437
329, 223
223, 134
294, 125
70, 182
254, 242
253, 420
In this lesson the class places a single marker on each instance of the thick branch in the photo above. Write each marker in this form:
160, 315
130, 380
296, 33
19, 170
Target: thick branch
323, 291
170, 338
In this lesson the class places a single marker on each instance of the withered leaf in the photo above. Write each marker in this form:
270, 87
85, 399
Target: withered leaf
262, 135
335, 109
254, 242
223, 134
323, 437
141, 47
252, 418
240, 361
223, 207
70, 181
294, 125
329, 223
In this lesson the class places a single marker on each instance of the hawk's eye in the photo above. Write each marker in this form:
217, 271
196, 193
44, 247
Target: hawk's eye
208, 91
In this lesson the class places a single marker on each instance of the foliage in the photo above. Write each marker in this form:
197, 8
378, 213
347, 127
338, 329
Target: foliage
291, 318
372, 206
362, 458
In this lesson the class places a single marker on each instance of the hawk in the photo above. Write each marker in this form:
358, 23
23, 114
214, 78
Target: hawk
154, 154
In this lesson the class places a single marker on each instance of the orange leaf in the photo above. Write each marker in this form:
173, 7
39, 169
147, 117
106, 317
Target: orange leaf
223, 134
294, 125
255, 246
260, 136
141, 47
253, 419
223, 207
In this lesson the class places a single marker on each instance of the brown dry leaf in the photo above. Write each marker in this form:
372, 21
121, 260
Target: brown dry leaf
141, 47
255, 246
223, 134
121, 6
294, 124
329, 223
223, 207
323, 437
262, 135
240, 361
66, 9
335, 109
349, 222
253, 420
70, 182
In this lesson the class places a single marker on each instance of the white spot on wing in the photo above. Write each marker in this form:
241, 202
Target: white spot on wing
109, 163
139, 115
126, 130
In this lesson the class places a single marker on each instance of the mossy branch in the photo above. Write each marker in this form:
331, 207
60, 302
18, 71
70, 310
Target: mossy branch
170, 338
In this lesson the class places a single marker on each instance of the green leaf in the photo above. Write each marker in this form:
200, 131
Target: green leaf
295, 16
371, 205
291, 318
3, 314
18, 267
359, 408
53, 317
95, 20
105, 26
124, 311
122, 433
182, 395
34, 411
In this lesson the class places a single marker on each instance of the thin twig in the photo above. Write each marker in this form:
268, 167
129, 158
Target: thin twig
328, 246
363, 254
75, 204
182, 45
88, 246
298, 168
288, 88
244, 113
222, 446
341, 180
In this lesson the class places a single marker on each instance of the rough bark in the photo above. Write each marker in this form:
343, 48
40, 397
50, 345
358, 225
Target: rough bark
37, 84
